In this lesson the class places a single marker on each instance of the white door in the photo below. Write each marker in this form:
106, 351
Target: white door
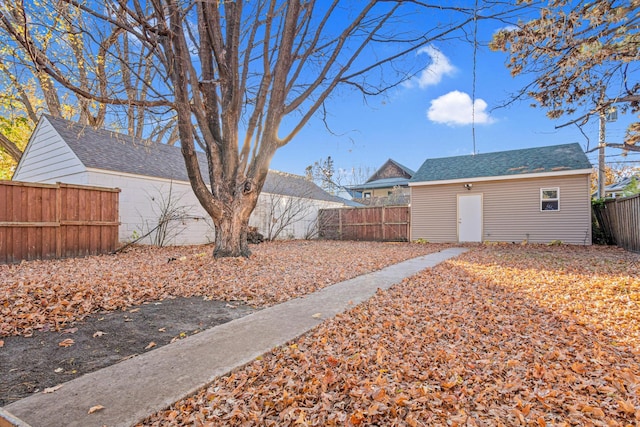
470, 218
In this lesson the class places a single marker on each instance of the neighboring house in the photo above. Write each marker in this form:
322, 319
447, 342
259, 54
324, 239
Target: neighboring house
388, 185
621, 188
539, 195
153, 180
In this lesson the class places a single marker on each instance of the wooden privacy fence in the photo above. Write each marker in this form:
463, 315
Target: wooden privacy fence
381, 223
620, 221
42, 221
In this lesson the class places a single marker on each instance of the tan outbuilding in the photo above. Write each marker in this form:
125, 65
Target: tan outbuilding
537, 195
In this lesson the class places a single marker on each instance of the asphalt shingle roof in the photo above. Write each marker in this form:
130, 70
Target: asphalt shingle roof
113, 151
622, 184
554, 158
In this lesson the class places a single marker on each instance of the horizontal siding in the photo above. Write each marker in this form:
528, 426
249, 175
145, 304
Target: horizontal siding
272, 208
433, 213
511, 211
47, 158
141, 201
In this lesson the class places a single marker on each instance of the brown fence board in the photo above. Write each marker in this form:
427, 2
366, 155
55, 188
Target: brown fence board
41, 221
620, 220
379, 223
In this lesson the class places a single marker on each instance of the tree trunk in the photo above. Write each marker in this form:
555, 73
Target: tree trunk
10, 148
231, 235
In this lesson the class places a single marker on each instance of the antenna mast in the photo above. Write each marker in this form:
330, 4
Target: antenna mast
473, 86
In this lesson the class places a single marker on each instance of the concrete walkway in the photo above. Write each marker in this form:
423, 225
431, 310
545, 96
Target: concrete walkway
131, 390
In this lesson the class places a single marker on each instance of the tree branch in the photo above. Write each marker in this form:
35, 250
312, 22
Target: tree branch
10, 148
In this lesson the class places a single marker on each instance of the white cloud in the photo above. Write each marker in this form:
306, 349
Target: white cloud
455, 109
433, 74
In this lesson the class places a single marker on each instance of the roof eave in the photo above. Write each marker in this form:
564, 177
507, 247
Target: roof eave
504, 177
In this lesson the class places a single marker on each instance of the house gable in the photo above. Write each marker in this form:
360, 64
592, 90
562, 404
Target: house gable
391, 169
389, 176
47, 157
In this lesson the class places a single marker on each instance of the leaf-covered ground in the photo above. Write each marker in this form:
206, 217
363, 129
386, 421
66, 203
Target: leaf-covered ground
49, 295
501, 336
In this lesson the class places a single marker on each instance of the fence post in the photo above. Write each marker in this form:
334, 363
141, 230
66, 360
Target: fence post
408, 216
58, 220
383, 224
339, 224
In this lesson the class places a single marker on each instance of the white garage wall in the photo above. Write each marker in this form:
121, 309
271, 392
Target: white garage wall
141, 205
288, 217
142, 198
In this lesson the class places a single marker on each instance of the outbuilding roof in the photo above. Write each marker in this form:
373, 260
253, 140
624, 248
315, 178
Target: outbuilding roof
113, 151
550, 159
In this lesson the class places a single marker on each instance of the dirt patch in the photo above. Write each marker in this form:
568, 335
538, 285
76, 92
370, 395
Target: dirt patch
29, 365
44, 303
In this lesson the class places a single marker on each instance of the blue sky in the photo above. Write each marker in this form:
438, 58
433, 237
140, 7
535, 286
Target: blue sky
431, 118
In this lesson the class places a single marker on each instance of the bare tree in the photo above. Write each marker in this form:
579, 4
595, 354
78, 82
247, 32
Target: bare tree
54, 61
584, 58
243, 78
333, 181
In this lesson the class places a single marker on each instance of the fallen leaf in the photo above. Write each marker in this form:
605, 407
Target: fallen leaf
70, 331
58, 370
162, 330
150, 345
134, 310
95, 409
1, 343
578, 368
66, 343
627, 407
501, 324
317, 315
98, 334
597, 412
52, 389
448, 384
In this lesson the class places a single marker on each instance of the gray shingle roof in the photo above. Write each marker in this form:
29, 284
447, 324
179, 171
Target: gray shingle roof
556, 158
113, 151
288, 184
621, 184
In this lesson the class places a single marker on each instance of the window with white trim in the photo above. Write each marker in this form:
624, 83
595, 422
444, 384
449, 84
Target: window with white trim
550, 199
